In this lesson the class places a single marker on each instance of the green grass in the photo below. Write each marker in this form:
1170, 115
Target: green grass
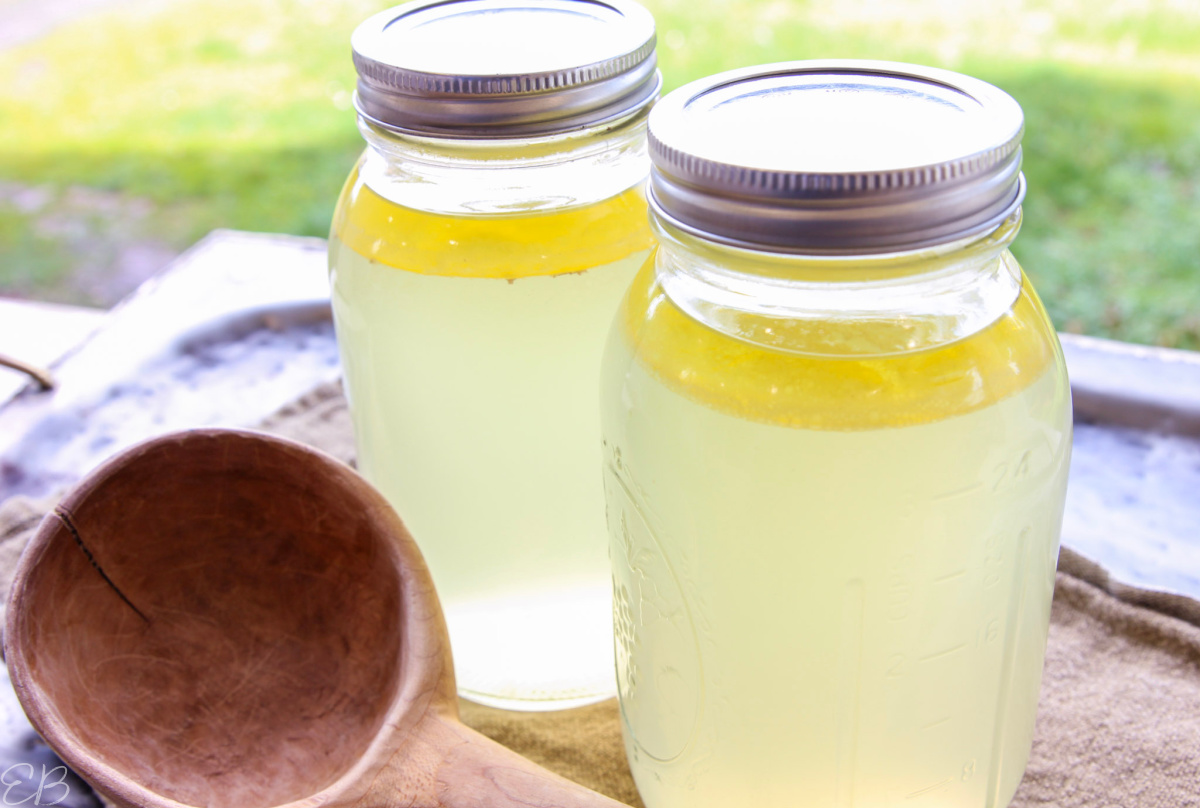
236, 110
236, 114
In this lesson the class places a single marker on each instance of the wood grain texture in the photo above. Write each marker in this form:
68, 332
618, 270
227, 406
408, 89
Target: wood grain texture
222, 618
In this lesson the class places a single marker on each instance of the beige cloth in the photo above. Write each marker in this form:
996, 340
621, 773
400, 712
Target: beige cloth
1118, 722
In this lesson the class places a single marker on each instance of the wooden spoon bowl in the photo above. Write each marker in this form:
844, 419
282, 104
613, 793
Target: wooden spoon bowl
221, 618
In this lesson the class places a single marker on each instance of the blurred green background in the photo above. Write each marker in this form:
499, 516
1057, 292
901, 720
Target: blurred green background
132, 130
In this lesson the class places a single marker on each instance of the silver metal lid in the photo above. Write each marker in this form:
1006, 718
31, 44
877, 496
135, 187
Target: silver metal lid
504, 68
836, 157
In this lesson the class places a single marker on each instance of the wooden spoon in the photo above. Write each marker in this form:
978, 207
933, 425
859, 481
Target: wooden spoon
221, 618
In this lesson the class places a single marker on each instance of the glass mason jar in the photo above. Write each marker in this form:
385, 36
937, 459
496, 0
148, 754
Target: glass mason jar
837, 428
478, 252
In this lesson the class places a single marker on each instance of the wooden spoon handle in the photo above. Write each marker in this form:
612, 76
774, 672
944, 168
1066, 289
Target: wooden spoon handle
481, 773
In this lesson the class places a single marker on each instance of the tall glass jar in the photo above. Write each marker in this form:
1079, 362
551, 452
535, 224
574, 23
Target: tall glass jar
478, 252
837, 429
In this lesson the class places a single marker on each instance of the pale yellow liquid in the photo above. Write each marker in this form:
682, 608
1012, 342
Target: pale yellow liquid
833, 577
470, 348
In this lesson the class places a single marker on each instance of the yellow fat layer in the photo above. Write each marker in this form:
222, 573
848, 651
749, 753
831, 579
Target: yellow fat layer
520, 245
836, 393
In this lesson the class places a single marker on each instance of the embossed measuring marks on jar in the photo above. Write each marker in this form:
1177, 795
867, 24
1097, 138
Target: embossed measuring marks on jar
962, 618
958, 636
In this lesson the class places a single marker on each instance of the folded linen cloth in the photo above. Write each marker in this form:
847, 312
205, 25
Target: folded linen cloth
1118, 722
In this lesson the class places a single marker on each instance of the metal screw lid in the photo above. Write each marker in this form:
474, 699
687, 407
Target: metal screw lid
836, 157
504, 68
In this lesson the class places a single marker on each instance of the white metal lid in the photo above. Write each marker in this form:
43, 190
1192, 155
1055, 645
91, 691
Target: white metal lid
504, 68
836, 157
